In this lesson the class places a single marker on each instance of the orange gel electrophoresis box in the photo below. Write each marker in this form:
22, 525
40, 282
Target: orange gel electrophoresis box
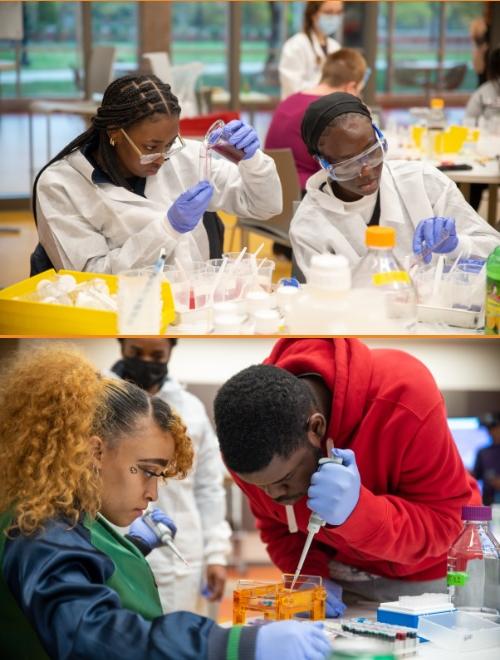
276, 602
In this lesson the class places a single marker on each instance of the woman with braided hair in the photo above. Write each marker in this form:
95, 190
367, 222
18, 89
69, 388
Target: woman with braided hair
79, 452
129, 185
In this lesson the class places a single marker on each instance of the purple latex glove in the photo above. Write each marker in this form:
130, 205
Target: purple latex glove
187, 210
334, 489
292, 640
435, 235
334, 605
144, 533
242, 136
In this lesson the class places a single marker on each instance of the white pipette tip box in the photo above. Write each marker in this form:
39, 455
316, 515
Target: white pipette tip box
407, 609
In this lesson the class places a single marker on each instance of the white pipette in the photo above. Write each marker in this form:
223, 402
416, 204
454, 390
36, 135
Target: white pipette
314, 525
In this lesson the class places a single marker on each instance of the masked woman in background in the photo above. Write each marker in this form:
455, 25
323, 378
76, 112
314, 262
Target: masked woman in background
304, 54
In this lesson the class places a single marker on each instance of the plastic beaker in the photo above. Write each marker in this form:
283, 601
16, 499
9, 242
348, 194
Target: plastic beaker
235, 282
215, 140
139, 302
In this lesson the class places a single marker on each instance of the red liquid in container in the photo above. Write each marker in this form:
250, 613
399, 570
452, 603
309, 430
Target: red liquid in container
229, 152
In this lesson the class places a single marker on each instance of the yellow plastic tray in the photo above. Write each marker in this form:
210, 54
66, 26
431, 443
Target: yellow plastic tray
25, 317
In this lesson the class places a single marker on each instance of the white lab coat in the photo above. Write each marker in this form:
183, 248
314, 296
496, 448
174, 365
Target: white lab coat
484, 100
301, 62
409, 192
104, 228
197, 505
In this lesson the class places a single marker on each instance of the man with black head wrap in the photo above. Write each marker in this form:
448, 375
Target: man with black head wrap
357, 187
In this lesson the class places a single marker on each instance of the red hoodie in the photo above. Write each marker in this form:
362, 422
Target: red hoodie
385, 407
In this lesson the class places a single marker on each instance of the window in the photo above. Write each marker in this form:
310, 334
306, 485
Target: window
200, 30
425, 46
49, 51
115, 24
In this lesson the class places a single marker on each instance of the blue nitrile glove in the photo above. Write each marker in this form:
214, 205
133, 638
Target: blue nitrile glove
334, 605
242, 136
187, 210
334, 489
292, 640
144, 533
429, 236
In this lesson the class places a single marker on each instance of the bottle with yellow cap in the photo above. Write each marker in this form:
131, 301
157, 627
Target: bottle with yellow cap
389, 300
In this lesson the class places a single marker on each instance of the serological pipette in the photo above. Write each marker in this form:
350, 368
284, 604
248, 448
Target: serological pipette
314, 525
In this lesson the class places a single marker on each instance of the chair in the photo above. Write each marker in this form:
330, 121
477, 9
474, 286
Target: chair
181, 77
158, 64
100, 74
454, 77
183, 81
277, 227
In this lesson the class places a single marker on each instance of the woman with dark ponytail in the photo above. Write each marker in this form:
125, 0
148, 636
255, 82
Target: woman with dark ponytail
129, 185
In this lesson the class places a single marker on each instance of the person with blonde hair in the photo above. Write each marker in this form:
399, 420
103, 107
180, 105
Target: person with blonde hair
343, 71
79, 452
303, 55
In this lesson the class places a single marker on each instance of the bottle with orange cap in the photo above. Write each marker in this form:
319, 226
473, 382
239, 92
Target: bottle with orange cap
390, 300
436, 126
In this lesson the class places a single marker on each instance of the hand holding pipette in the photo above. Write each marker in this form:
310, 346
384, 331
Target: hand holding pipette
333, 494
435, 234
163, 531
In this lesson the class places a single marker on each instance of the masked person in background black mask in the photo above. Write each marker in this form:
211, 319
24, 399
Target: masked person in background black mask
198, 503
145, 362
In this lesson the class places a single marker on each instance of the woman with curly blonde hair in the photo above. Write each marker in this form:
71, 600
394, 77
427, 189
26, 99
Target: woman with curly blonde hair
78, 452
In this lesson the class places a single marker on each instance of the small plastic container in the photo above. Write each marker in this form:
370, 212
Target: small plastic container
267, 322
459, 631
258, 300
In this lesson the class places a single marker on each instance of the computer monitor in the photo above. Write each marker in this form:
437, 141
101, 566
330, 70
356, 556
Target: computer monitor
469, 437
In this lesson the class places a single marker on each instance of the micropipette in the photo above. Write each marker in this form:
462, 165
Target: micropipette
164, 533
314, 525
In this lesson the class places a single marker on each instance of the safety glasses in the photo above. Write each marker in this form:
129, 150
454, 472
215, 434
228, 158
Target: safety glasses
147, 159
350, 169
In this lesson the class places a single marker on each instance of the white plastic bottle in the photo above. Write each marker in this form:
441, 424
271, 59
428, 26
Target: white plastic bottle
322, 306
382, 289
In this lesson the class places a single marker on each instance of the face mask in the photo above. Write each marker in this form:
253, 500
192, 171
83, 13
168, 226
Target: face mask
144, 374
329, 23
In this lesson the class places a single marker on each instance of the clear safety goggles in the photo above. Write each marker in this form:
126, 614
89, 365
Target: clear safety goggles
350, 169
147, 159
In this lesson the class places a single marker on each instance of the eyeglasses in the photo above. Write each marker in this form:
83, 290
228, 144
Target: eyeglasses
351, 168
147, 159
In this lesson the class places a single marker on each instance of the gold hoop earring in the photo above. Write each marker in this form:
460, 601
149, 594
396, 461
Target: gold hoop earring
112, 142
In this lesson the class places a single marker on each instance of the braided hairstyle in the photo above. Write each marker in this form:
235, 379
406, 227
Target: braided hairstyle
126, 101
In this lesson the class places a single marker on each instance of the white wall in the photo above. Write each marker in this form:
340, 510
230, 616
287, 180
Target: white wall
457, 364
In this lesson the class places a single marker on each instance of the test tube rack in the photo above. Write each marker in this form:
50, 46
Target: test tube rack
277, 602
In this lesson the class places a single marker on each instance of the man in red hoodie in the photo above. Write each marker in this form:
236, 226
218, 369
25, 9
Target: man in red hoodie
392, 509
